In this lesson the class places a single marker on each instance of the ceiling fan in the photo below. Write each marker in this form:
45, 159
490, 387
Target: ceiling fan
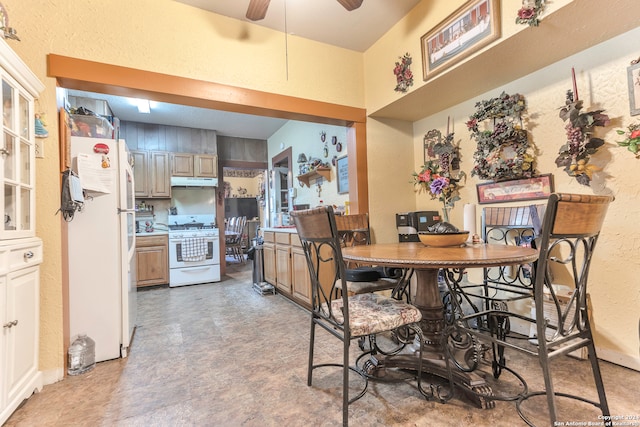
257, 9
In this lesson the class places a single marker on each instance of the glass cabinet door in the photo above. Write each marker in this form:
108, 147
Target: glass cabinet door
17, 158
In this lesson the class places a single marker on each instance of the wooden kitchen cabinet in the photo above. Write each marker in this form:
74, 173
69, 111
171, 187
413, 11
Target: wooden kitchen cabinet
152, 260
181, 164
300, 280
151, 174
205, 165
194, 165
283, 263
160, 174
141, 173
285, 266
269, 254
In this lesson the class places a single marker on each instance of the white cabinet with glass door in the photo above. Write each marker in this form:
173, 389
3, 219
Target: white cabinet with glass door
17, 149
20, 250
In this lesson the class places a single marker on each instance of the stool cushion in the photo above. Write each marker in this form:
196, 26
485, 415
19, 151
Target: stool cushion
375, 313
361, 274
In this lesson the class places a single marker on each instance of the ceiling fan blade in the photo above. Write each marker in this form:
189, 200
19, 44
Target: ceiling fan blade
350, 4
257, 9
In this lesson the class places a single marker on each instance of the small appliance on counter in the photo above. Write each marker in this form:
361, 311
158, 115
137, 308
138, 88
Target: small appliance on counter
409, 224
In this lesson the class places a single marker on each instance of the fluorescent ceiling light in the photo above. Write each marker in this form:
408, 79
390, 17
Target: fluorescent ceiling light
143, 106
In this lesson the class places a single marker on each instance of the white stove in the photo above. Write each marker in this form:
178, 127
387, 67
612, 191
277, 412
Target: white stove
194, 250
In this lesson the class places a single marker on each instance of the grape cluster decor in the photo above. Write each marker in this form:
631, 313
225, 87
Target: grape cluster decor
504, 152
575, 155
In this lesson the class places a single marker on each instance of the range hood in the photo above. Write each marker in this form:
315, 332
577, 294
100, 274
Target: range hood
186, 181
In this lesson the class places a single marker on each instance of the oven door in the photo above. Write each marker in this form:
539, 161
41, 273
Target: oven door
175, 254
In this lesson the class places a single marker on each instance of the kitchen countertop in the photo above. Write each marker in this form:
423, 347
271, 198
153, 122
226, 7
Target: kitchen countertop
282, 229
152, 233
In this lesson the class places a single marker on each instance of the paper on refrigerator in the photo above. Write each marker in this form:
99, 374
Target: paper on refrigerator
93, 174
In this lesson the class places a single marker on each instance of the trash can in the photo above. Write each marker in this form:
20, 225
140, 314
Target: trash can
256, 253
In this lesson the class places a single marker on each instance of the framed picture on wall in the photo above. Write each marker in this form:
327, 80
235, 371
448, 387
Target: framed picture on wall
342, 174
465, 31
633, 73
539, 187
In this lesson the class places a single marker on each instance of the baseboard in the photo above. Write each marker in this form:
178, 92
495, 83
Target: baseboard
619, 358
52, 376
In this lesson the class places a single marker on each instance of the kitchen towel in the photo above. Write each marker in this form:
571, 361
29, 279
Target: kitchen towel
194, 249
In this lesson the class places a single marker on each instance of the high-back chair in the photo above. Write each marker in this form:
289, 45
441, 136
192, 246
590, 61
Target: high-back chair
234, 239
354, 230
344, 316
567, 241
504, 225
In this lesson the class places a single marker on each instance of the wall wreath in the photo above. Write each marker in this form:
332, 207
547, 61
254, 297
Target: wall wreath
503, 152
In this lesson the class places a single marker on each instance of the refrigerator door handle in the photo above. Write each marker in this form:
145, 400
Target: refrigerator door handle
126, 210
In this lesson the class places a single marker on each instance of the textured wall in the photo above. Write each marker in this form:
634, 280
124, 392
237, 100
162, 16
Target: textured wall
602, 83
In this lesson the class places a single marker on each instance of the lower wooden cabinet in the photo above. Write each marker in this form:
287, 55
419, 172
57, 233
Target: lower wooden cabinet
269, 253
283, 263
152, 260
285, 266
300, 280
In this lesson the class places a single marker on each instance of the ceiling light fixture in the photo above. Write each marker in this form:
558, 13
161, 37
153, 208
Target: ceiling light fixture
143, 106
350, 4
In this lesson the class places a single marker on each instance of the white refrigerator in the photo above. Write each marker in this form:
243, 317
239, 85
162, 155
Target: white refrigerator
101, 248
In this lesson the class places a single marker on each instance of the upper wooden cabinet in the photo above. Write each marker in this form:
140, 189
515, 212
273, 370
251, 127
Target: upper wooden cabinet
151, 174
181, 164
205, 165
160, 174
141, 173
194, 165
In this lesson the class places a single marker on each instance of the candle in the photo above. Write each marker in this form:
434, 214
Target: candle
448, 119
469, 220
575, 87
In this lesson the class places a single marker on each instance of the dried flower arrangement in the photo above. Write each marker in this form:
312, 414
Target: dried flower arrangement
529, 12
632, 140
404, 76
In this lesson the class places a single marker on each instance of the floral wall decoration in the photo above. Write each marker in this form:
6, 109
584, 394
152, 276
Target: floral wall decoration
632, 140
529, 13
504, 152
440, 177
575, 154
404, 76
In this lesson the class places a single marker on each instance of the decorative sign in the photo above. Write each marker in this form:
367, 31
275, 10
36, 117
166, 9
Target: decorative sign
539, 187
342, 172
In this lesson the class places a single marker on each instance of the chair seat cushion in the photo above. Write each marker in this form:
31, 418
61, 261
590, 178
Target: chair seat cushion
375, 313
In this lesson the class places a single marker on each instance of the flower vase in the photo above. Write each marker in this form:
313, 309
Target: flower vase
445, 213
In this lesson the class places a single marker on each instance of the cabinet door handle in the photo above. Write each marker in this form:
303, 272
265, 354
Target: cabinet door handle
28, 255
10, 324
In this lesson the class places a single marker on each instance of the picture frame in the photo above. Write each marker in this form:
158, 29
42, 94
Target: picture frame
538, 187
633, 76
467, 30
342, 174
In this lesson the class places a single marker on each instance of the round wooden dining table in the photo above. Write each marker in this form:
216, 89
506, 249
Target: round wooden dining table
427, 262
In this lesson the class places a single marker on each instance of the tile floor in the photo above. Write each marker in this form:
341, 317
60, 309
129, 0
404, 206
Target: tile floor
222, 355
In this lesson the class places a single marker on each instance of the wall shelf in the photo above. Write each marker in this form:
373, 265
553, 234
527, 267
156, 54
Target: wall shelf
322, 172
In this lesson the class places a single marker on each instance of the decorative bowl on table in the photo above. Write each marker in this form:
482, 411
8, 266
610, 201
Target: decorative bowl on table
442, 240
